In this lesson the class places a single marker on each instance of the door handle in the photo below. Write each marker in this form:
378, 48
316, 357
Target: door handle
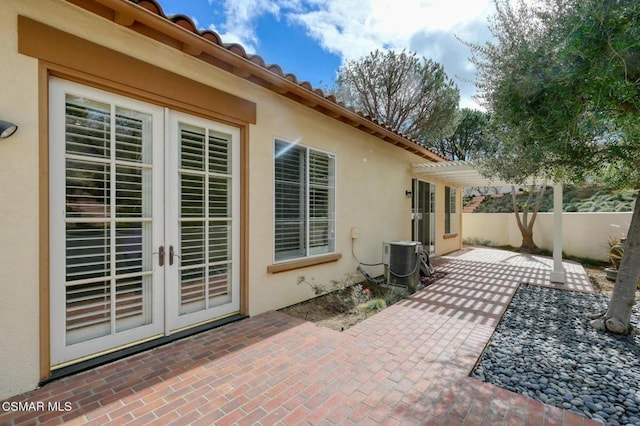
171, 254
160, 254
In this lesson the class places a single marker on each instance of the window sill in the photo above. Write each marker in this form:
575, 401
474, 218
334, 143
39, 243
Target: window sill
302, 263
448, 236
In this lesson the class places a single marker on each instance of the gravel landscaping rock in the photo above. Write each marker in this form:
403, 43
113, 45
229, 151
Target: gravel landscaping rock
544, 348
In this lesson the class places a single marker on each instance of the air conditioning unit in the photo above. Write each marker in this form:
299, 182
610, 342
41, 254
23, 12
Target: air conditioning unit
401, 260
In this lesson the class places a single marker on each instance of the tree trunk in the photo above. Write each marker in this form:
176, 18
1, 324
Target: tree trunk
528, 245
524, 225
617, 319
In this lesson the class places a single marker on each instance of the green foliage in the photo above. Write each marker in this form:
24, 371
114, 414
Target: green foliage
377, 304
346, 295
575, 199
468, 140
357, 295
479, 242
411, 95
562, 84
393, 295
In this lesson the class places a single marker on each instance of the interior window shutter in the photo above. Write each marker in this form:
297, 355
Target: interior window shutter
290, 201
321, 203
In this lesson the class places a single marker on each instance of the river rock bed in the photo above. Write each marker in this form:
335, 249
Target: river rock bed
545, 349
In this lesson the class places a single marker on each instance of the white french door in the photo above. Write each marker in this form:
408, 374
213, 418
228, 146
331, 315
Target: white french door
203, 206
144, 204
423, 227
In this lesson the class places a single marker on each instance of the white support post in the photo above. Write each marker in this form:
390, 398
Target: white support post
558, 273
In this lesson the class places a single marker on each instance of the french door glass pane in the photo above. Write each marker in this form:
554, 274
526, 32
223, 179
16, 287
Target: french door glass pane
219, 197
219, 285
108, 178
219, 153
131, 144
192, 238
192, 149
191, 196
88, 308
88, 127
88, 251
133, 240
132, 302
88, 189
219, 241
192, 290
205, 226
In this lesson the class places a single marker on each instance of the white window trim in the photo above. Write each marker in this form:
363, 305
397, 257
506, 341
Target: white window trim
335, 203
452, 216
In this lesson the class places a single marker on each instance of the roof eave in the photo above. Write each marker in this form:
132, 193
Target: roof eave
128, 14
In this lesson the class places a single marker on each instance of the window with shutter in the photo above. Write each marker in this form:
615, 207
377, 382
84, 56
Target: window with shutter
304, 201
450, 218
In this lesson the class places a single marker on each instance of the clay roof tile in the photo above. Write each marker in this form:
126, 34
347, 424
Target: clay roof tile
212, 36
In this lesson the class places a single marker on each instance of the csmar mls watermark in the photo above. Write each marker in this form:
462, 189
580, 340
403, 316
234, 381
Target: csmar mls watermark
14, 406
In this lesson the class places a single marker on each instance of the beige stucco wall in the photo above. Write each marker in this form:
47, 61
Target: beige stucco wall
584, 234
372, 177
18, 213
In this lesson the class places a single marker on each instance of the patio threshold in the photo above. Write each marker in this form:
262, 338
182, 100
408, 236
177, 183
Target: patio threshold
78, 367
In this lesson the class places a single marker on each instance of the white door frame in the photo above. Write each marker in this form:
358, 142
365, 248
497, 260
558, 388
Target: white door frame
165, 192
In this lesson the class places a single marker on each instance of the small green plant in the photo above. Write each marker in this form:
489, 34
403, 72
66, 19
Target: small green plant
479, 242
377, 304
394, 295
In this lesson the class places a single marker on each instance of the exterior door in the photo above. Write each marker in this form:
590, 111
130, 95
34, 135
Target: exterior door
202, 221
423, 214
139, 246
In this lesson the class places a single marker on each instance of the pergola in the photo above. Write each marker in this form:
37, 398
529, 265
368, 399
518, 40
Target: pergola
464, 174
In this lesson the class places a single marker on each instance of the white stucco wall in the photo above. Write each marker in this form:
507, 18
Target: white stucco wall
584, 234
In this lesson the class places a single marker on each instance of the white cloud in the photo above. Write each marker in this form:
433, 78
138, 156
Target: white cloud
352, 29
429, 27
240, 17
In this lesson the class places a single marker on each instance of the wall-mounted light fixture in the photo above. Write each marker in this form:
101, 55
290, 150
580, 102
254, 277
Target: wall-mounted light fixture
7, 129
407, 194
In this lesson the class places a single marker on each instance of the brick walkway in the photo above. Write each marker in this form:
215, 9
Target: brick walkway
406, 365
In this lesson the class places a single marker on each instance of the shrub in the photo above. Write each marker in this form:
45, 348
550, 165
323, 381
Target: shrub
376, 304
394, 295
357, 295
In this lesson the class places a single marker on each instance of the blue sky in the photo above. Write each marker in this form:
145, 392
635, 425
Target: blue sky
312, 38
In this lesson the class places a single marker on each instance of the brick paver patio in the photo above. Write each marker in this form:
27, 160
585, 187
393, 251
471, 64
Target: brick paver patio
408, 364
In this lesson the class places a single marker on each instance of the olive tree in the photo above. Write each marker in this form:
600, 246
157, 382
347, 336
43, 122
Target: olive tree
411, 95
562, 84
